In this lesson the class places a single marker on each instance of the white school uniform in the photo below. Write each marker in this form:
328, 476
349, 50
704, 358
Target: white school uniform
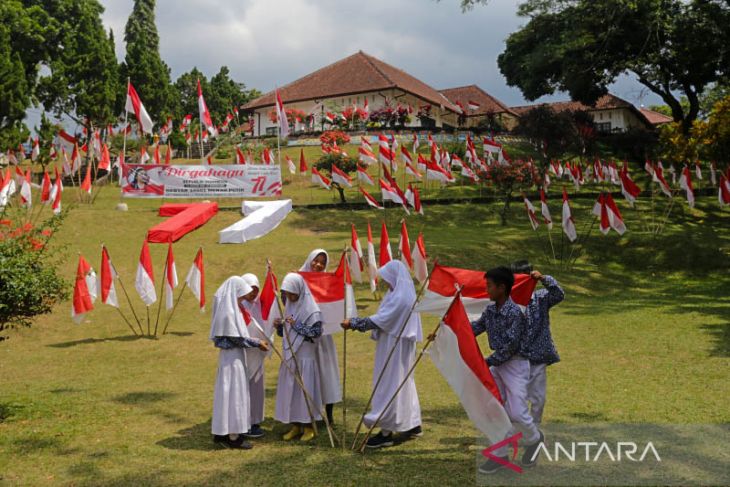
255, 357
536, 391
291, 404
404, 413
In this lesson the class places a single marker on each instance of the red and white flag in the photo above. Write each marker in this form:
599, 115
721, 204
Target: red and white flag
107, 291
26, 197
417, 206
156, 155
456, 354
531, 213
420, 259
405, 155
385, 253
567, 222
319, 179
628, 187
65, 140
372, 263
75, 160
86, 183
609, 214
685, 182
404, 246
340, 177
545, 211
144, 282
45, 188
384, 153
333, 299
723, 192
281, 116
185, 122
134, 105
356, 256
698, 171
658, 177
168, 155
291, 165
267, 157
412, 171
434, 172
36, 151
170, 278
366, 156
370, 200
105, 160
302, 162
363, 176
269, 306
56, 196
389, 193
204, 113
143, 155
195, 280
84, 291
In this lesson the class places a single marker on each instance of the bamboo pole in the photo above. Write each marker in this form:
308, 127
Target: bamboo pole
169, 317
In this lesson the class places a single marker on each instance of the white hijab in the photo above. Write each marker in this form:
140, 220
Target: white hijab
305, 309
307, 267
254, 307
227, 320
398, 302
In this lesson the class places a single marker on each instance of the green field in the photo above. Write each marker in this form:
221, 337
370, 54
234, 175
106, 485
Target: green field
644, 335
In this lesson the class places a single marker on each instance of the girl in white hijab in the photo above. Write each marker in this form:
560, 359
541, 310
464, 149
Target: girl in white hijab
404, 413
229, 332
301, 328
326, 352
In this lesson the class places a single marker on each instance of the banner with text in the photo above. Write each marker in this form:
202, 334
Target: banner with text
163, 181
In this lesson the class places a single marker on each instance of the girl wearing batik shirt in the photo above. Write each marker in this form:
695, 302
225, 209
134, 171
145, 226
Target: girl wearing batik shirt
229, 333
300, 329
326, 352
404, 413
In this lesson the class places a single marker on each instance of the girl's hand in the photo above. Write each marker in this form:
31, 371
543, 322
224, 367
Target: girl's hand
345, 325
263, 346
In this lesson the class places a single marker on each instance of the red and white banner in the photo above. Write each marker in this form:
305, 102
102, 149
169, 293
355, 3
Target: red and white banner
235, 181
134, 105
84, 291
456, 354
328, 290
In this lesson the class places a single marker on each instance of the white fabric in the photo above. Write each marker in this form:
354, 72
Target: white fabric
304, 309
259, 328
329, 370
227, 319
397, 303
291, 405
404, 412
512, 378
261, 217
307, 266
231, 407
536, 391
257, 395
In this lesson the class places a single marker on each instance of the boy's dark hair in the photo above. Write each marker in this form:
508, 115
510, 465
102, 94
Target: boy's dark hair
501, 275
521, 267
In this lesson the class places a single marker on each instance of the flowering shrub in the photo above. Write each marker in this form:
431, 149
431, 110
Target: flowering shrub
508, 179
331, 136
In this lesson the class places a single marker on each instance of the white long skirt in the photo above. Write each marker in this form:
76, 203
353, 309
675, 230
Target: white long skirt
329, 371
291, 405
231, 396
404, 413
256, 389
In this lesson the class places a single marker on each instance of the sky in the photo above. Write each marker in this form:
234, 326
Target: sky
273, 42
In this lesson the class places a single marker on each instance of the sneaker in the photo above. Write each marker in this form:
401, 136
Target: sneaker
379, 441
219, 438
491, 466
239, 443
254, 432
530, 452
293, 433
416, 432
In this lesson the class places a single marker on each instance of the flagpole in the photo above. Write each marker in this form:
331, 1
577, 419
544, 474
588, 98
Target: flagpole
124, 290
162, 290
126, 321
179, 296
344, 365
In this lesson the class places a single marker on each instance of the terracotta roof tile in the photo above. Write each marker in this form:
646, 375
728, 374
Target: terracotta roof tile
655, 118
487, 103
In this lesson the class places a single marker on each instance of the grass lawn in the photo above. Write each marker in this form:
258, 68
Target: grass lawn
644, 336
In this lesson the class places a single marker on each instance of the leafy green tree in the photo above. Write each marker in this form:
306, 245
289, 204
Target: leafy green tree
344, 162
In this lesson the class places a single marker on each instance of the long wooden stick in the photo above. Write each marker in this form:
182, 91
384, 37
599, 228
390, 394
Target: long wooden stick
185, 284
344, 365
126, 321
162, 290
129, 301
390, 355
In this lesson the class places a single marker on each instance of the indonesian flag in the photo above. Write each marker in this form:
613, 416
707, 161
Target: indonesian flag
468, 173
365, 107
328, 291
188, 138
429, 140
365, 143
65, 140
442, 288
609, 215
344, 272
372, 264
658, 177
545, 210
281, 116
356, 256
531, 213
340, 177
302, 162
456, 354
195, 280
491, 146
26, 197
410, 170
266, 156
168, 154
385, 254
45, 188
75, 159
405, 155
389, 193
144, 282
556, 168
371, 201
185, 122
685, 182
317, 178
84, 291
204, 113
56, 193
86, 183
105, 160
698, 171
240, 158
417, 207
472, 105
420, 266
107, 291
290, 164
364, 177
170, 278
435, 172
36, 151
723, 193
384, 153
628, 187
134, 104
329, 117
568, 223
416, 143
404, 246
457, 162
269, 307
143, 155
156, 154
366, 156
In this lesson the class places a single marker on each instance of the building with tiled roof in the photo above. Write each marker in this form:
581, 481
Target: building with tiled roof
349, 82
655, 118
478, 105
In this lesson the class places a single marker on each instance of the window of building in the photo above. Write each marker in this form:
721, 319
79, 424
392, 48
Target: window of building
604, 127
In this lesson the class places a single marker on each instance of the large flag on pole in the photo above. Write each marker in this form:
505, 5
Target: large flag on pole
372, 263
204, 113
456, 354
84, 291
134, 105
356, 257
144, 282
107, 291
567, 220
420, 267
195, 279
281, 116
170, 278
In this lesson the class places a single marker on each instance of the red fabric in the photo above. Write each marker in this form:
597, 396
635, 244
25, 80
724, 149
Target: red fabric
186, 219
326, 287
443, 281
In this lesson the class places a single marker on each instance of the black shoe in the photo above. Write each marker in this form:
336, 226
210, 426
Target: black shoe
239, 443
491, 466
219, 438
531, 451
416, 432
254, 432
379, 441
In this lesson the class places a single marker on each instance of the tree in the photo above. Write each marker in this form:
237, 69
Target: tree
143, 65
556, 133
672, 47
344, 162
